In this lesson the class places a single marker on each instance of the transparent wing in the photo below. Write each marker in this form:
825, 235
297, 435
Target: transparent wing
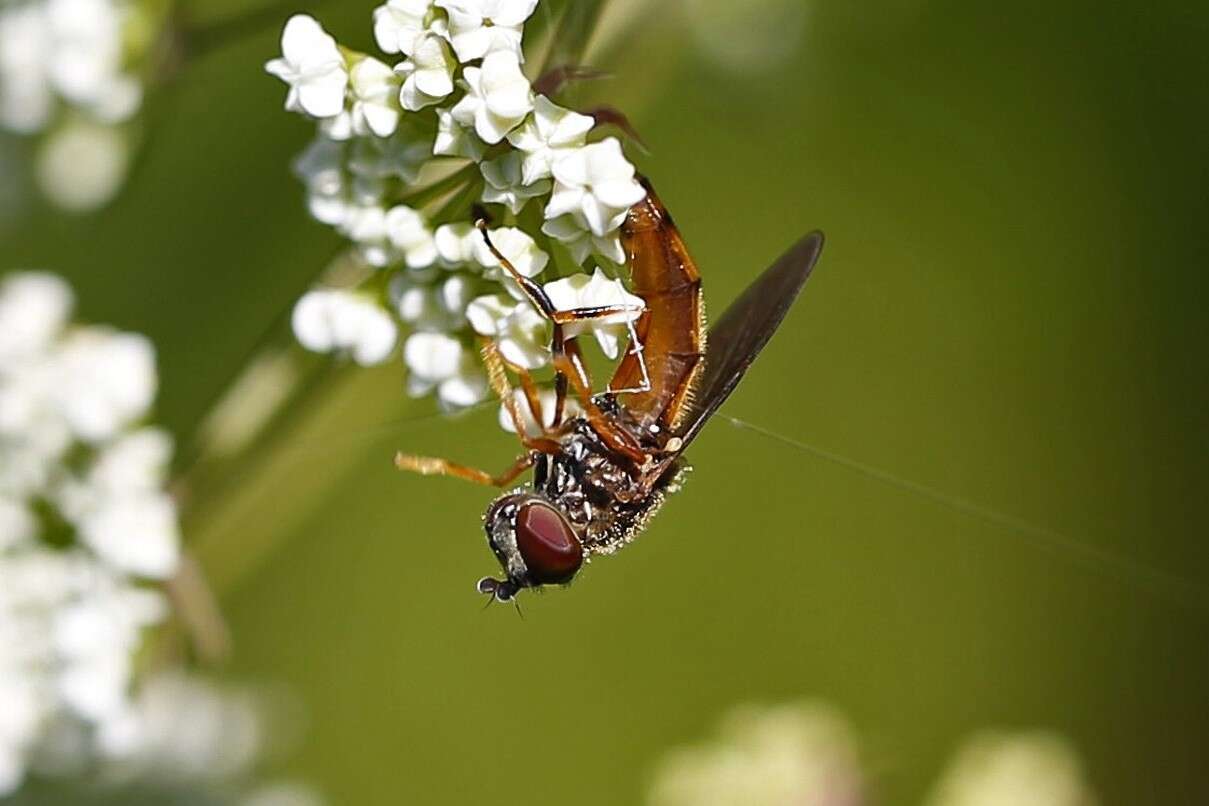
738, 337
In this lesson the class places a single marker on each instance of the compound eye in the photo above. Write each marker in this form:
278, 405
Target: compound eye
547, 543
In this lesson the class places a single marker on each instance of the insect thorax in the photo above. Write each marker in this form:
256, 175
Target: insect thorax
597, 493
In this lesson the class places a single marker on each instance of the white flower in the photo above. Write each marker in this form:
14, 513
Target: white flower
521, 332
85, 59
137, 533
429, 73
497, 98
804, 755
401, 156
365, 224
312, 65
596, 184
547, 135
442, 363
82, 165
520, 250
546, 398
994, 769
409, 233
398, 24
321, 168
335, 320
134, 462
418, 306
456, 243
17, 524
34, 306
581, 243
374, 88
103, 381
477, 27
455, 140
582, 291
505, 184
25, 93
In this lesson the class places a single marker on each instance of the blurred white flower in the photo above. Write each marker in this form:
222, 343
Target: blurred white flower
402, 156
374, 88
335, 320
136, 532
408, 232
546, 136
26, 98
34, 307
82, 165
803, 755
181, 729
282, 794
547, 399
597, 290
428, 73
419, 304
520, 332
497, 97
321, 168
103, 381
17, 523
441, 363
69, 626
992, 769
312, 65
365, 224
570, 232
86, 65
399, 23
456, 140
505, 184
478, 27
596, 184
456, 243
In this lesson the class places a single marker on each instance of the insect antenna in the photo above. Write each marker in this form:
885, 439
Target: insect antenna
1173, 588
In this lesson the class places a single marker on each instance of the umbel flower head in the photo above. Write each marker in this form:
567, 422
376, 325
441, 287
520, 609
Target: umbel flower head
70, 74
86, 524
410, 144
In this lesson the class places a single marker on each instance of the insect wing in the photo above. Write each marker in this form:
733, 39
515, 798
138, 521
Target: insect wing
746, 326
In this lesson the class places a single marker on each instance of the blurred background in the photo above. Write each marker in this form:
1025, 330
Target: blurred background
1010, 311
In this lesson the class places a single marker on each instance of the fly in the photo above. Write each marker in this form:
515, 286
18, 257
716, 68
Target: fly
601, 475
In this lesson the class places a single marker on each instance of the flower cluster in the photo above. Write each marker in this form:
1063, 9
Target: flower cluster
68, 70
807, 754
85, 522
407, 147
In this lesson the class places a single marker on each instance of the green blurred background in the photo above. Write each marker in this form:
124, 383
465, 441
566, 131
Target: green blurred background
1011, 309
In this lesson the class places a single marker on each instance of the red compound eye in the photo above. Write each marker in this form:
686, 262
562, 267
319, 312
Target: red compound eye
548, 544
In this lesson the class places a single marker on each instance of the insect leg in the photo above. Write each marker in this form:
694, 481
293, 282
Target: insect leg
570, 365
532, 291
497, 377
431, 466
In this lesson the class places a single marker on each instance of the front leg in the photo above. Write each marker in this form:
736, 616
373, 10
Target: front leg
431, 466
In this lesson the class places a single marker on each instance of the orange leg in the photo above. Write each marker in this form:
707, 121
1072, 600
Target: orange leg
497, 377
430, 466
571, 366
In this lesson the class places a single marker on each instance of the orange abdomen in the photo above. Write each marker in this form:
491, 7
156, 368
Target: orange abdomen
672, 329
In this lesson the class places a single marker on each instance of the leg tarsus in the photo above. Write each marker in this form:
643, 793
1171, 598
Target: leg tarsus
432, 466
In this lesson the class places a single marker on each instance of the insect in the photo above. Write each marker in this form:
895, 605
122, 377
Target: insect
602, 474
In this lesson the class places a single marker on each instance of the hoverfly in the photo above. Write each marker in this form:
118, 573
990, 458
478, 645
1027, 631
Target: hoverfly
601, 475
